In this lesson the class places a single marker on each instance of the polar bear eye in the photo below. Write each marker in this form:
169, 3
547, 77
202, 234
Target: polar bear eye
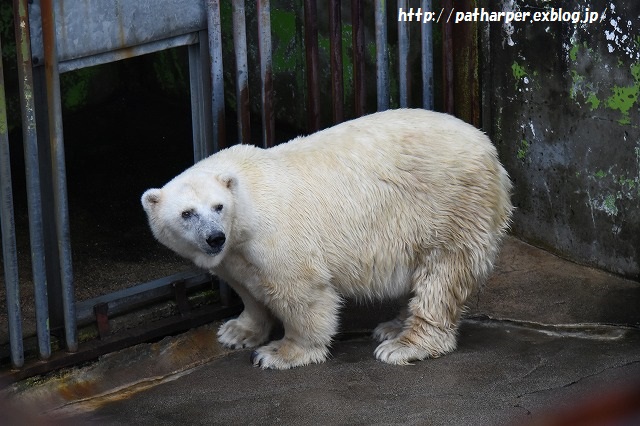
218, 208
187, 214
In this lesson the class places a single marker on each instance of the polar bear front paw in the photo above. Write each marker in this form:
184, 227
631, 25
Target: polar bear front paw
284, 354
235, 334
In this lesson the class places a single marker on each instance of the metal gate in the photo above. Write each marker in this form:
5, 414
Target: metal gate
47, 37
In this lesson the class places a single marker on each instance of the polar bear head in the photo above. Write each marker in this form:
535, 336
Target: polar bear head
192, 215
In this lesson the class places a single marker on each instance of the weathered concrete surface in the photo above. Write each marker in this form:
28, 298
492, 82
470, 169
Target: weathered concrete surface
561, 104
514, 363
499, 374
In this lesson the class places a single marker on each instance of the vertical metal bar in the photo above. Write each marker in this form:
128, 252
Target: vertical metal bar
312, 65
357, 22
34, 197
403, 58
217, 76
7, 227
337, 80
486, 83
427, 59
200, 91
382, 57
242, 71
447, 57
101, 311
466, 91
54, 107
266, 76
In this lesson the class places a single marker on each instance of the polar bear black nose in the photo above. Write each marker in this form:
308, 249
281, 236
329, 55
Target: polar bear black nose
216, 240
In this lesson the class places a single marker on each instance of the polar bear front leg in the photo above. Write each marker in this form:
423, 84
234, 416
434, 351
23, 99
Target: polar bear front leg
251, 328
309, 324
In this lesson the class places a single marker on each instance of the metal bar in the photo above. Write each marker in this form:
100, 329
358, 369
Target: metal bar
312, 65
61, 206
129, 299
34, 197
101, 311
180, 296
127, 52
266, 74
447, 58
7, 227
337, 80
427, 59
198, 78
88, 28
465, 66
357, 22
486, 83
382, 57
117, 341
217, 76
242, 71
403, 58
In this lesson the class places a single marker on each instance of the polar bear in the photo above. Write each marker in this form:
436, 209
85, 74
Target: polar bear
403, 203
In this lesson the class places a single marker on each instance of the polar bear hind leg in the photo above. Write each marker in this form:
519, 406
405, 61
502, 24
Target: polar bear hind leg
439, 287
391, 329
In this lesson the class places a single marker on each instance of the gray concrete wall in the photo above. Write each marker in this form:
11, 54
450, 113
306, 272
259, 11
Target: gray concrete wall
561, 103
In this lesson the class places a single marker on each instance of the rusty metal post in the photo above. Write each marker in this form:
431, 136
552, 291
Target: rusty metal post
382, 56
242, 71
466, 89
31, 158
7, 227
266, 74
404, 78
59, 174
337, 80
217, 76
427, 59
357, 22
312, 65
200, 91
447, 57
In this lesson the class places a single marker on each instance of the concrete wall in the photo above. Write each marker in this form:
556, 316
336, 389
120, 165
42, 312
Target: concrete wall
561, 103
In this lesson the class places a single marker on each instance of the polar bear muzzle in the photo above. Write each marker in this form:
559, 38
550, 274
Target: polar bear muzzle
216, 241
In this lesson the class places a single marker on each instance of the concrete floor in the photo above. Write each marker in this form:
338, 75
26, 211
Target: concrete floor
543, 337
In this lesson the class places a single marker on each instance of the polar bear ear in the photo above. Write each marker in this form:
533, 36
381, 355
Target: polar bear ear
151, 198
228, 181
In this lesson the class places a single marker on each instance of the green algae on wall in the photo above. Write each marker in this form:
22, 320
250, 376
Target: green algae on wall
624, 98
615, 188
523, 150
170, 72
75, 87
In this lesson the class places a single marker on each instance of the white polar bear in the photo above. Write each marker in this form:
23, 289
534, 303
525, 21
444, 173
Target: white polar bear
398, 203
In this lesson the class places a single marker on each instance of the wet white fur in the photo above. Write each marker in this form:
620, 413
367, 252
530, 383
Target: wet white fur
399, 203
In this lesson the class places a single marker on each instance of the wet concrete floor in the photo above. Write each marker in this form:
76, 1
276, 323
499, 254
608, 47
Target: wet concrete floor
544, 338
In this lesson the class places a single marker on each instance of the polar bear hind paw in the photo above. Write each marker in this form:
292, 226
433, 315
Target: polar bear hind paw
388, 330
399, 352
234, 334
284, 354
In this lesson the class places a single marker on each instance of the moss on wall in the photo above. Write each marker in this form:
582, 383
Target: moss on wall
566, 100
